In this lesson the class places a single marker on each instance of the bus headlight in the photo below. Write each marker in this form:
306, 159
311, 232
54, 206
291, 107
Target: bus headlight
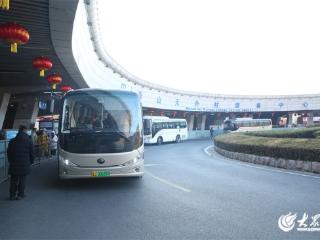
135, 160
66, 162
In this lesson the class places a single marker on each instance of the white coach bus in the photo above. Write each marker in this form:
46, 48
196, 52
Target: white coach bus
247, 124
101, 134
159, 129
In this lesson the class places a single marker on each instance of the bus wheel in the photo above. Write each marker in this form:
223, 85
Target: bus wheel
159, 140
178, 139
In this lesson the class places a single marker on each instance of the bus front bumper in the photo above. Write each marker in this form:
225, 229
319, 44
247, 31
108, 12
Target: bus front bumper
68, 172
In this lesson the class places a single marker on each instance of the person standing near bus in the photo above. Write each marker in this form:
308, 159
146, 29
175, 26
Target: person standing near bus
34, 136
34, 139
20, 157
43, 142
53, 144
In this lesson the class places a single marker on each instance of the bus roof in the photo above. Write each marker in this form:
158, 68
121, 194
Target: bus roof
98, 90
155, 117
163, 119
251, 119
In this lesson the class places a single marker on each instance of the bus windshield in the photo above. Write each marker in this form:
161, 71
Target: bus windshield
101, 122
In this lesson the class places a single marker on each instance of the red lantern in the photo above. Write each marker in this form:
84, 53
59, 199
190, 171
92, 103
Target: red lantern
42, 63
5, 4
54, 79
65, 88
14, 34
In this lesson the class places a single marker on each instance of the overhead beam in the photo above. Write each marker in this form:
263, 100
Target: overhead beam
24, 89
61, 17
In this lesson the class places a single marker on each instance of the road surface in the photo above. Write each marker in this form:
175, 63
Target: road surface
184, 194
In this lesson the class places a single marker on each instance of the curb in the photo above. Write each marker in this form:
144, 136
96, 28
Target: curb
297, 165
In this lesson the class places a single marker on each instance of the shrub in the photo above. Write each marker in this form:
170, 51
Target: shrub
291, 133
287, 148
317, 134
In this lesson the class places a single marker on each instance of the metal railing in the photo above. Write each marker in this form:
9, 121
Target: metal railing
4, 165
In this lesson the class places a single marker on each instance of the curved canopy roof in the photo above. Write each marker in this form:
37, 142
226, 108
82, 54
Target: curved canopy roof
49, 24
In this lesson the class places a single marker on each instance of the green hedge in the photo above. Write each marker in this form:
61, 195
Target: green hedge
292, 133
316, 134
287, 148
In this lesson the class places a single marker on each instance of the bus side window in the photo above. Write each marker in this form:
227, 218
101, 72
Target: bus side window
182, 124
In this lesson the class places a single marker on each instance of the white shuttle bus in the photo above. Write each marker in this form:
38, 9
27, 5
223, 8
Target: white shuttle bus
247, 125
100, 135
159, 129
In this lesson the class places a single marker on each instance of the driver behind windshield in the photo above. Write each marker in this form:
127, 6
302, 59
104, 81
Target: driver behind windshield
108, 121
96, 123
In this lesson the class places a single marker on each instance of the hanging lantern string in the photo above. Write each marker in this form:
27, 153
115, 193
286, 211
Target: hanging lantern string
5, 4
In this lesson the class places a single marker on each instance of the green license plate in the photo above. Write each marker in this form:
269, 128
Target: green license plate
100, 174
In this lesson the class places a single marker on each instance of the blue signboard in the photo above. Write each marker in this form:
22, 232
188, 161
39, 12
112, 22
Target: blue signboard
13, 133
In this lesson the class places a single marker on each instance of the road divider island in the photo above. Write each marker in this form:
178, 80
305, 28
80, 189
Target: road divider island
296, 149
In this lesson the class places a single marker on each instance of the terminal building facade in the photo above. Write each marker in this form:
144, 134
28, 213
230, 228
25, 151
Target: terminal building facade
83, 58
200, 109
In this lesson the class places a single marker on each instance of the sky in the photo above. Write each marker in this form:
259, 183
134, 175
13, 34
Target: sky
217, 46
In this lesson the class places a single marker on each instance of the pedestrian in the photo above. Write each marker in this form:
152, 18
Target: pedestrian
20, 157
53, 144
34, 139
34, 136
43, 142
211, 132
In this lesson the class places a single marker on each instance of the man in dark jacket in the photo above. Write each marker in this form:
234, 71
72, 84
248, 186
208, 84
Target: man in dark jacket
20, 157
